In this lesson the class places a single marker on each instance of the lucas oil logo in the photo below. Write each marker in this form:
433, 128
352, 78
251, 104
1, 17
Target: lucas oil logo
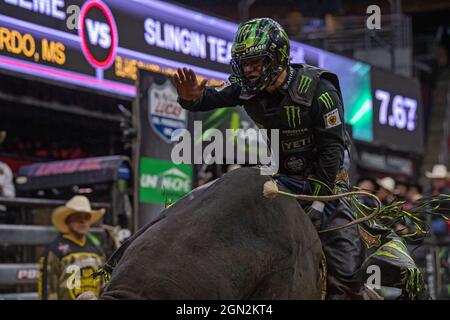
293, 116
165, 114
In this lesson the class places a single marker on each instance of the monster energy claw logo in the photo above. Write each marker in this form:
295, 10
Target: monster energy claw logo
327, 101
305, 81
293, 116
247, 34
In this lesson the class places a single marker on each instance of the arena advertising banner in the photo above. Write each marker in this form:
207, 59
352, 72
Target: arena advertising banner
156, 115
101, 44
162, 181
398, 116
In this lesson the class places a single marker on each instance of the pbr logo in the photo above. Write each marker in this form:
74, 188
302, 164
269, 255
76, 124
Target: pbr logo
165, 113
27, 274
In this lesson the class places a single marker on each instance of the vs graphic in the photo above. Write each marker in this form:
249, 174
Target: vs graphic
99, 33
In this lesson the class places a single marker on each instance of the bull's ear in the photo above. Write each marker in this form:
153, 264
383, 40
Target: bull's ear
2, 136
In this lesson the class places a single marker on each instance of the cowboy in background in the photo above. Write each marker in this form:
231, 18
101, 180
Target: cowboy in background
438, 180
67, 266
438, 186
386, 190
387, 195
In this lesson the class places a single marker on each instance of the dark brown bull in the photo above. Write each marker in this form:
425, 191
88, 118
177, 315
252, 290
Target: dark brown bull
225, 241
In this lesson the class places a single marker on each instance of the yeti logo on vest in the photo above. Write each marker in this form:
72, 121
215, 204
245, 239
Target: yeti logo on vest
165, 115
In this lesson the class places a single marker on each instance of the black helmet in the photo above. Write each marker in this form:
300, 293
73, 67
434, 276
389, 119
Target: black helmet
261, 37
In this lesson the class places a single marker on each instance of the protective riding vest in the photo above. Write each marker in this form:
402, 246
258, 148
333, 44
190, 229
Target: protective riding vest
292, 116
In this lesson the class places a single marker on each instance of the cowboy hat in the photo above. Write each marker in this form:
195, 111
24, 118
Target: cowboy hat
387, 183
439, 171
74, 205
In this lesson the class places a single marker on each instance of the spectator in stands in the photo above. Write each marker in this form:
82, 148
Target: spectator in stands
324, 10
366, 184
438, 178
401, 190
369, 185
414, 193
294, 23
67, 267
386, 190
6, 176
441, 72
442, 51
438, 185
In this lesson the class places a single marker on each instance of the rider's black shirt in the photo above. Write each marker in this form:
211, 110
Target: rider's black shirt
311, 137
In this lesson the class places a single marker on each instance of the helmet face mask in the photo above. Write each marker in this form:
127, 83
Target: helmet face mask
260, 78
259, 38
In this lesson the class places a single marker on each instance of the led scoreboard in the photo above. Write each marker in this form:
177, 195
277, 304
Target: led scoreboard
398, 116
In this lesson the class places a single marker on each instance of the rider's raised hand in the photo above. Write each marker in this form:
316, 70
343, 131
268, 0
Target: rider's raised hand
187, 84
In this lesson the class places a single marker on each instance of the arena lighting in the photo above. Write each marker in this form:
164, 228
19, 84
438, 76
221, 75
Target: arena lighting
65, 76
366, 107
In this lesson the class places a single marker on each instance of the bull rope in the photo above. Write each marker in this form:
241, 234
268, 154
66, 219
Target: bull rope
271, 190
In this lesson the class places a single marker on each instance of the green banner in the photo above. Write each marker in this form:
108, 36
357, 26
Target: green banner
162, 181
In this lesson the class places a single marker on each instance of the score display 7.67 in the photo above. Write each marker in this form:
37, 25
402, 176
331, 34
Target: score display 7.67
397, 110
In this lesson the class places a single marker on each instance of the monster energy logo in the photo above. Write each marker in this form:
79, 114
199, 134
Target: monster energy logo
305, 81
284, 54
247, 34
317, 188
244, 30
326, 99
293, 116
